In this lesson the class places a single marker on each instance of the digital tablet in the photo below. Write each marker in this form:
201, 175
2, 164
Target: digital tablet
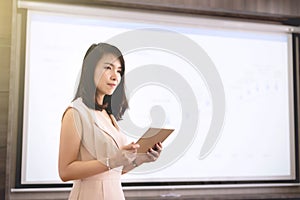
151, 137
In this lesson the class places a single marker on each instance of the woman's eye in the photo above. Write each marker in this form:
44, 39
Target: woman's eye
119, 71
107, 67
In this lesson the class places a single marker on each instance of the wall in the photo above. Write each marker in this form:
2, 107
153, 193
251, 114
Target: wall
5, 48
269, 11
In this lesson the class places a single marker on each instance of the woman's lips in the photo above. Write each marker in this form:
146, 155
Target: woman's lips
112, 84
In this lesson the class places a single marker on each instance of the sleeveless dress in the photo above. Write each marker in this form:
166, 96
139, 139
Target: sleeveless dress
100, 139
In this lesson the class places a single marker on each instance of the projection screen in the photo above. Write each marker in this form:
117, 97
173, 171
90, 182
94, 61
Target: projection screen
226, 88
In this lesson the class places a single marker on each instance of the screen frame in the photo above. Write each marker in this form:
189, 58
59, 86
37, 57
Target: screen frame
294, 57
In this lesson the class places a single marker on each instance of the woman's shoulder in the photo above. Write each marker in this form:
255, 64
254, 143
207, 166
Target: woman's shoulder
77, 101
73, 108
69, 112
85, 112
79, 105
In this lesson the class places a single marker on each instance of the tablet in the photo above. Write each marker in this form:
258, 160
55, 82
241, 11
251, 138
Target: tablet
151, 137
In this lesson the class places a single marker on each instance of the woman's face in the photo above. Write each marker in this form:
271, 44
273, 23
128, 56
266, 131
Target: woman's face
107, 74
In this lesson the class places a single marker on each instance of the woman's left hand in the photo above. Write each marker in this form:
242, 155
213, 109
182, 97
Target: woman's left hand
151, 155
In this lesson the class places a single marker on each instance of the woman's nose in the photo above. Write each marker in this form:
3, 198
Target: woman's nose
114, 75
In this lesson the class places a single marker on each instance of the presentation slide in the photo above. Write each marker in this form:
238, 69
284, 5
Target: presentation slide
228, 93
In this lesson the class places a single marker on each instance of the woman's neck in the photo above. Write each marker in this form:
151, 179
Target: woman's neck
99, 99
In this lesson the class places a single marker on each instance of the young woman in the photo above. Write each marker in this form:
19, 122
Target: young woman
93, 151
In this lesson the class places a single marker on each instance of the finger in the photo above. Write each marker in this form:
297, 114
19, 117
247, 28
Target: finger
131, 146
151, 156
153, 153
159, 146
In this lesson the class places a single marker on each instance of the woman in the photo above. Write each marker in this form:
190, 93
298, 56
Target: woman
93, 152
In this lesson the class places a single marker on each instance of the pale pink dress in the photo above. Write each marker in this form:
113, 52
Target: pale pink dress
100, 138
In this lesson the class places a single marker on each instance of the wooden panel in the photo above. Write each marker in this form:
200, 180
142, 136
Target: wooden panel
2, 171
267, 10
5, 18
183, 194
3, 137
4, 68
3, 117
5, 35
278, 7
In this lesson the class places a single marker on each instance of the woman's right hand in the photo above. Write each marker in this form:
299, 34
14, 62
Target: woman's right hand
124, 156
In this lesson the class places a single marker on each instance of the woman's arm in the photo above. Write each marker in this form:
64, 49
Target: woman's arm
69, 167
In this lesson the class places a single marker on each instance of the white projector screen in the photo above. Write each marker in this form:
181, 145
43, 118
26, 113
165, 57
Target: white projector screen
241, 82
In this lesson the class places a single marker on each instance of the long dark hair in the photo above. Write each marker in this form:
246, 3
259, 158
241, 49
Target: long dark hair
116, 103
